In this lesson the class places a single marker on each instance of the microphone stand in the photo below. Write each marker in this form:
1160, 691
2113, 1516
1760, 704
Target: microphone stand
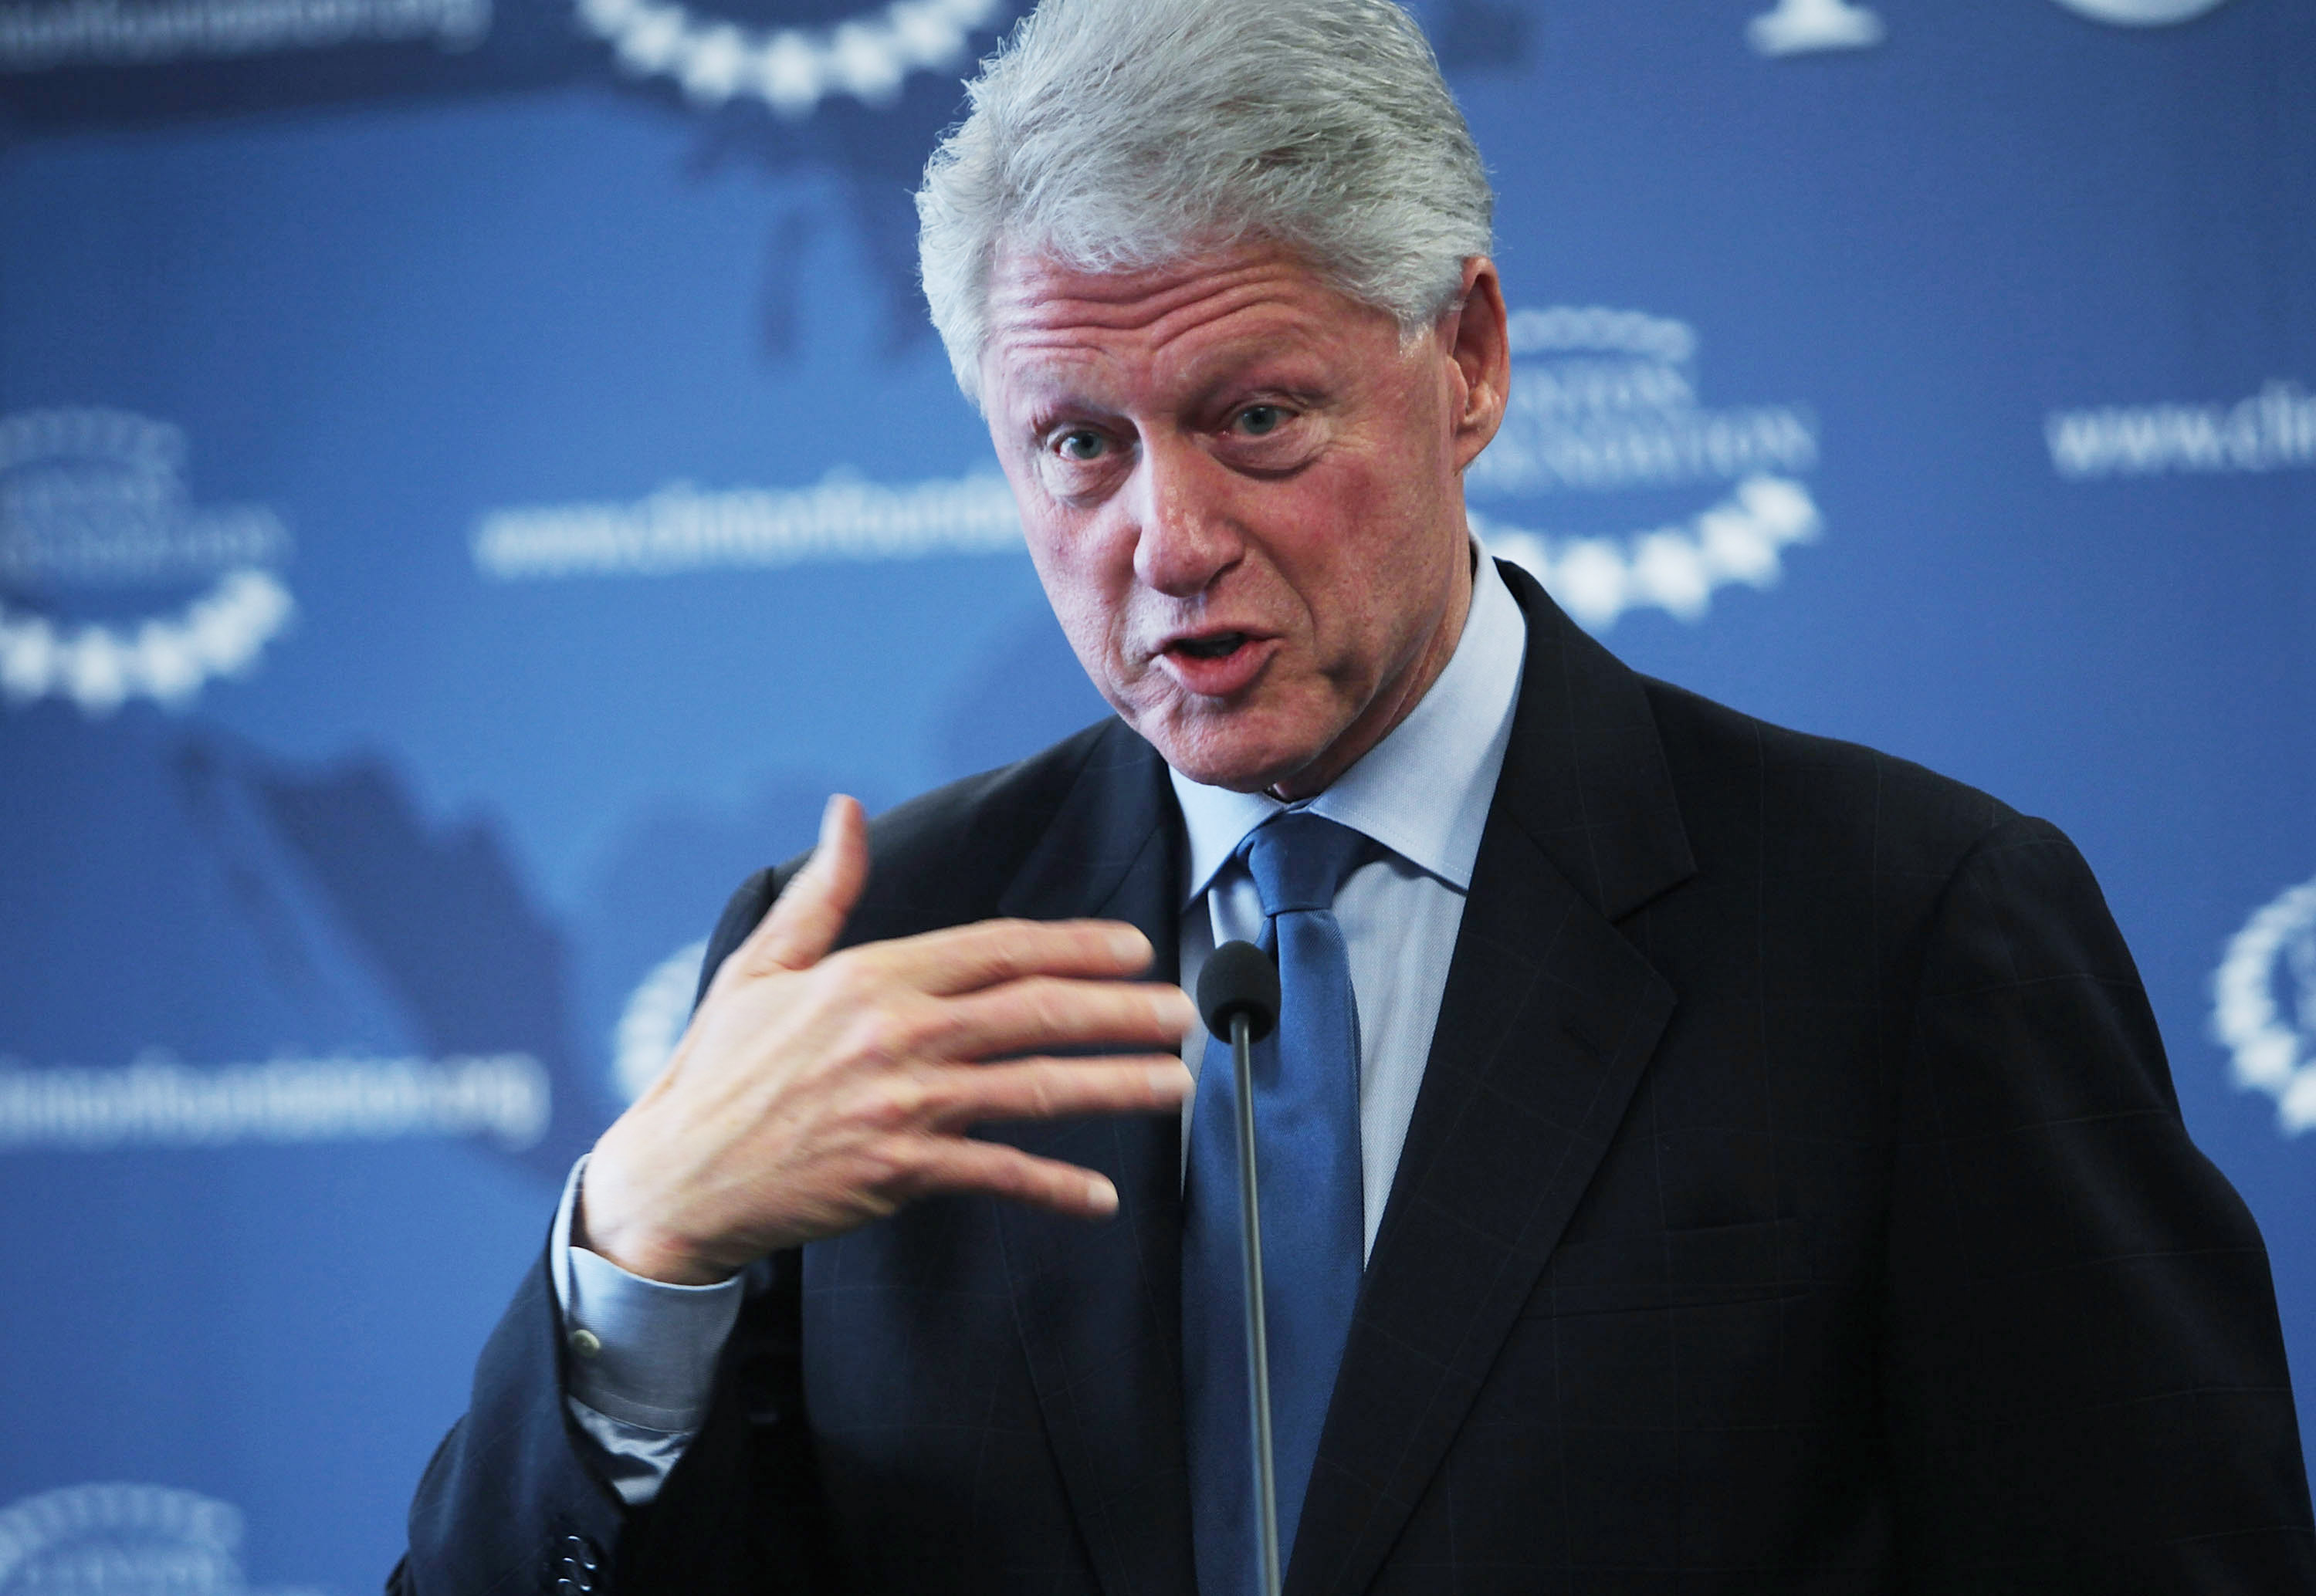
1238, 993
1258, 1336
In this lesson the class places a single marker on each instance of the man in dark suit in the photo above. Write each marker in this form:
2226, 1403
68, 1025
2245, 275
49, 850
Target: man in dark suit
1759, 1169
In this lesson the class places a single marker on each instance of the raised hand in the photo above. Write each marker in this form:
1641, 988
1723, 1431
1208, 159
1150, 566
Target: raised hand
816, 1091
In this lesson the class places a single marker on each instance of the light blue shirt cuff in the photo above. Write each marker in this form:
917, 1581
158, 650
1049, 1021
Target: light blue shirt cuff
643, 1352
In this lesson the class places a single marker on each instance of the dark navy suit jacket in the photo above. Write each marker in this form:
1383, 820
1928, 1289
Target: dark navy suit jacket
1796, 1201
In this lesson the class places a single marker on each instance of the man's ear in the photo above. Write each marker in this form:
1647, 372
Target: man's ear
1474, 334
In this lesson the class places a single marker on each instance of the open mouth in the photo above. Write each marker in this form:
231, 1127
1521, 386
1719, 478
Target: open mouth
1219, 646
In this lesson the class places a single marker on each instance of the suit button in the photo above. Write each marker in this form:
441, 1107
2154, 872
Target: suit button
576, 1566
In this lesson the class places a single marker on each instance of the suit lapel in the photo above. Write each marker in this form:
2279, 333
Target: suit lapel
1548, 1017
1099, 1308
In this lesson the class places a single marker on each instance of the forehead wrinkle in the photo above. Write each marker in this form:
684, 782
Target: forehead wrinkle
1087, 334
1124, 298
1069, 349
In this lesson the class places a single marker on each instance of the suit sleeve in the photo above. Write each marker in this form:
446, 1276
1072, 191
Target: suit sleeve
509, 1503
2084, 1383
515, 1501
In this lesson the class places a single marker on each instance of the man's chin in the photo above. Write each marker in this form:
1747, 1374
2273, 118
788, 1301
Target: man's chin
1226, 757
1233, 780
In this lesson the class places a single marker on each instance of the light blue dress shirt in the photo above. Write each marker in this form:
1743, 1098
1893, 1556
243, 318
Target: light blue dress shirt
644, 1352
1423, 793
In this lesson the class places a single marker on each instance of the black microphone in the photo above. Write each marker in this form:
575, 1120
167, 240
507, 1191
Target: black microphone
1238, 995
1239, 979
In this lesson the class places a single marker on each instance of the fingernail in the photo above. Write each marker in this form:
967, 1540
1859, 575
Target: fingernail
1169, 1083
1100, 1195
1128, 944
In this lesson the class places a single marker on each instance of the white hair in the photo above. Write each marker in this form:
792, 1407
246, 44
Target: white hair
1116, 135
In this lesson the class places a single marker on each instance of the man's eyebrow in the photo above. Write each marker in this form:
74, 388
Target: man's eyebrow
1248, 384
1050, 374
1041, 413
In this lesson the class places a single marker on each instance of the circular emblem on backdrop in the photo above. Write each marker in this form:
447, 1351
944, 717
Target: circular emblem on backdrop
125, 1540
1604, 423
792, 70
2142, 13
653, 1021
2264, 1005
94, 508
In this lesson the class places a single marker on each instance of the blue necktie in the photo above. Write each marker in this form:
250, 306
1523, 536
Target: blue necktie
1306, 1116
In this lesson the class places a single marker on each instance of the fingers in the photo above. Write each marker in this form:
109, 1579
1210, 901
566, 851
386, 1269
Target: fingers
1040, 1014
1058, 1089
807, 920
960, 1165
968, 958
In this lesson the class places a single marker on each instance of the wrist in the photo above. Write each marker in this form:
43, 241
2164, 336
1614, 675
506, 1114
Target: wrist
598, 1226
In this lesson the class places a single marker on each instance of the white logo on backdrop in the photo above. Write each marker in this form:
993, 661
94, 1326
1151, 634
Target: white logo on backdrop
790, 69
156, 1102
1674, 568
140, 32
653, 1020
2274, 430
1604, 401
1801, 26
2142, 13
2264, 1005
123, 1540
96, 499
683, 528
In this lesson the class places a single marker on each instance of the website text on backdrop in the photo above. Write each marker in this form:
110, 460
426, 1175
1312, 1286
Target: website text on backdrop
1696, 1155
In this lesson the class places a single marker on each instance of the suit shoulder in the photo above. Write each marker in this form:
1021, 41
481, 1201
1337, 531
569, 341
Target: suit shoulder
943, 857
992, 808
1742, 780
946, 856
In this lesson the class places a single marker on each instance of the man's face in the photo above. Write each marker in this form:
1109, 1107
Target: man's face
1244, 497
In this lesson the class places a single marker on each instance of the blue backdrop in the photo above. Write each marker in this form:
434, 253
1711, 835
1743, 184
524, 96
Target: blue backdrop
474, 474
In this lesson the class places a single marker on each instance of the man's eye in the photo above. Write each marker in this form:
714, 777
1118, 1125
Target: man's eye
1081, 445
1256, 420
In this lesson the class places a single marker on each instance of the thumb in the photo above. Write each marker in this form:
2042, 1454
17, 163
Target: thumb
807, 920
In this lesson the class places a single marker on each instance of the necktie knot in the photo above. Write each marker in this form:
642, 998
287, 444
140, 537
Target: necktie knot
1299, 859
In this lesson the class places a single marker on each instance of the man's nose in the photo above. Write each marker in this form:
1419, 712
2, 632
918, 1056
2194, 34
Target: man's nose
1185, 536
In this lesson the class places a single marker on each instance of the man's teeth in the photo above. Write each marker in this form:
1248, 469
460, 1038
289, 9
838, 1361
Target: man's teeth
1211, 648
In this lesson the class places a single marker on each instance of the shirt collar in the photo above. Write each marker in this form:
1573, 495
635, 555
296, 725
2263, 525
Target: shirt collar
1451, 742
